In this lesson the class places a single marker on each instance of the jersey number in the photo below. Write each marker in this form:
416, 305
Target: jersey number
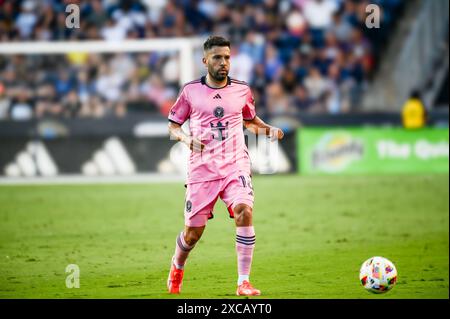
246, 182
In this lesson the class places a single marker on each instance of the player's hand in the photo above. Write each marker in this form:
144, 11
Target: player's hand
275, 134
194, 144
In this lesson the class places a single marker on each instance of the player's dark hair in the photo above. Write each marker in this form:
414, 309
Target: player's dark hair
216, 41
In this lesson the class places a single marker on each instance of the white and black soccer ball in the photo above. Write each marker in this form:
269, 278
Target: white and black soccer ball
378, 275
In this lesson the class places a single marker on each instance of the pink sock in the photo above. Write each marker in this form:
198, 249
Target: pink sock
182, 251
245, 244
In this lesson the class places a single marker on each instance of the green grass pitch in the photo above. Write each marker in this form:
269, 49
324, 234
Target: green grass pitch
313, 234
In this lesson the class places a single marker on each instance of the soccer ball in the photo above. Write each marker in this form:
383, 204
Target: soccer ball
378, 275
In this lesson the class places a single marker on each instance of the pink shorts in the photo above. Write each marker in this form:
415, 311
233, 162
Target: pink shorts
201, 197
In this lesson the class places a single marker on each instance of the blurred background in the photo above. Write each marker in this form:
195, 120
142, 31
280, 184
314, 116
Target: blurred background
93, 100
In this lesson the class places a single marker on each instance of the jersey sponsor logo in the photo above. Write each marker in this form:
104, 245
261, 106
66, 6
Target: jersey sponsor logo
222, 131
219, 112
217, 96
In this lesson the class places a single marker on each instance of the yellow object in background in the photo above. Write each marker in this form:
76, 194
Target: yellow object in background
77, 58
414, 114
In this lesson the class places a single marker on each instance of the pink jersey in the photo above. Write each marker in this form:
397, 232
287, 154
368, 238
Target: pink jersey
216, 118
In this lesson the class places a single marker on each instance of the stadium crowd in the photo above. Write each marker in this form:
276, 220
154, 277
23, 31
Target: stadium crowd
298, 55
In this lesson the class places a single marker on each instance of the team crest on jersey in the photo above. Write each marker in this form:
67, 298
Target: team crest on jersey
188, 206
219, 112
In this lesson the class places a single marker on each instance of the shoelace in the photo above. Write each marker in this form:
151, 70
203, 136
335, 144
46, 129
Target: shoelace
246, 285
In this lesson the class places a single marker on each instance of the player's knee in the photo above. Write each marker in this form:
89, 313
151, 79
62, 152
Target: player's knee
243, 214
191, 237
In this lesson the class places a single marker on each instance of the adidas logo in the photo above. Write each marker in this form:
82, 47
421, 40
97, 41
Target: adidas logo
217, 96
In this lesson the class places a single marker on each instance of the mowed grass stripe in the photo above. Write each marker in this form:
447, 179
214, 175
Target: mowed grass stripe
312, 235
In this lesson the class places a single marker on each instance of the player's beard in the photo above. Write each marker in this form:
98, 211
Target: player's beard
218, 76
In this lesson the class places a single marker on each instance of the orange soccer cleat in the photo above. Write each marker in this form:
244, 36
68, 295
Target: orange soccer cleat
246, 289
175, 280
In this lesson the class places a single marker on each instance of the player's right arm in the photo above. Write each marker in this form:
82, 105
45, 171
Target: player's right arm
178, 114
177, 133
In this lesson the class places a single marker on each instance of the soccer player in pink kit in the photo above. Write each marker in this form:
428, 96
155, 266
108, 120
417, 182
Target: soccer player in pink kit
219, 165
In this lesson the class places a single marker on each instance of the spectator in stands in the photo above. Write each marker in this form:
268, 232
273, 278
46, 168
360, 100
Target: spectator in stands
315, 83
113, 31
132, 94
273, 63
340, 27
108, 84
170, 71
4, 103
301, 100
84, 88
414, 114
154, 9
97, 15
277, 101
286, 50
319, 13
288, 79
27, 19
63, 83
242, 65
336, 93
157, 93
8, 29
22, 109
259, 81
47, 102
253, 46
120, 110
128, 17
95, 107
300, 65
71, 104
60, 31
172, 21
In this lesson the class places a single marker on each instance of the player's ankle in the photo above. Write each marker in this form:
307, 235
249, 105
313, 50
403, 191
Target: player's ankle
179, 267
243, 278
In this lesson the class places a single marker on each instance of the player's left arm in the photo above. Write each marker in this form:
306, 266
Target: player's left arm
258, 126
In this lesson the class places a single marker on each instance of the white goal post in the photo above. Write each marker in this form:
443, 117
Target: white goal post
185, 47
111, 159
